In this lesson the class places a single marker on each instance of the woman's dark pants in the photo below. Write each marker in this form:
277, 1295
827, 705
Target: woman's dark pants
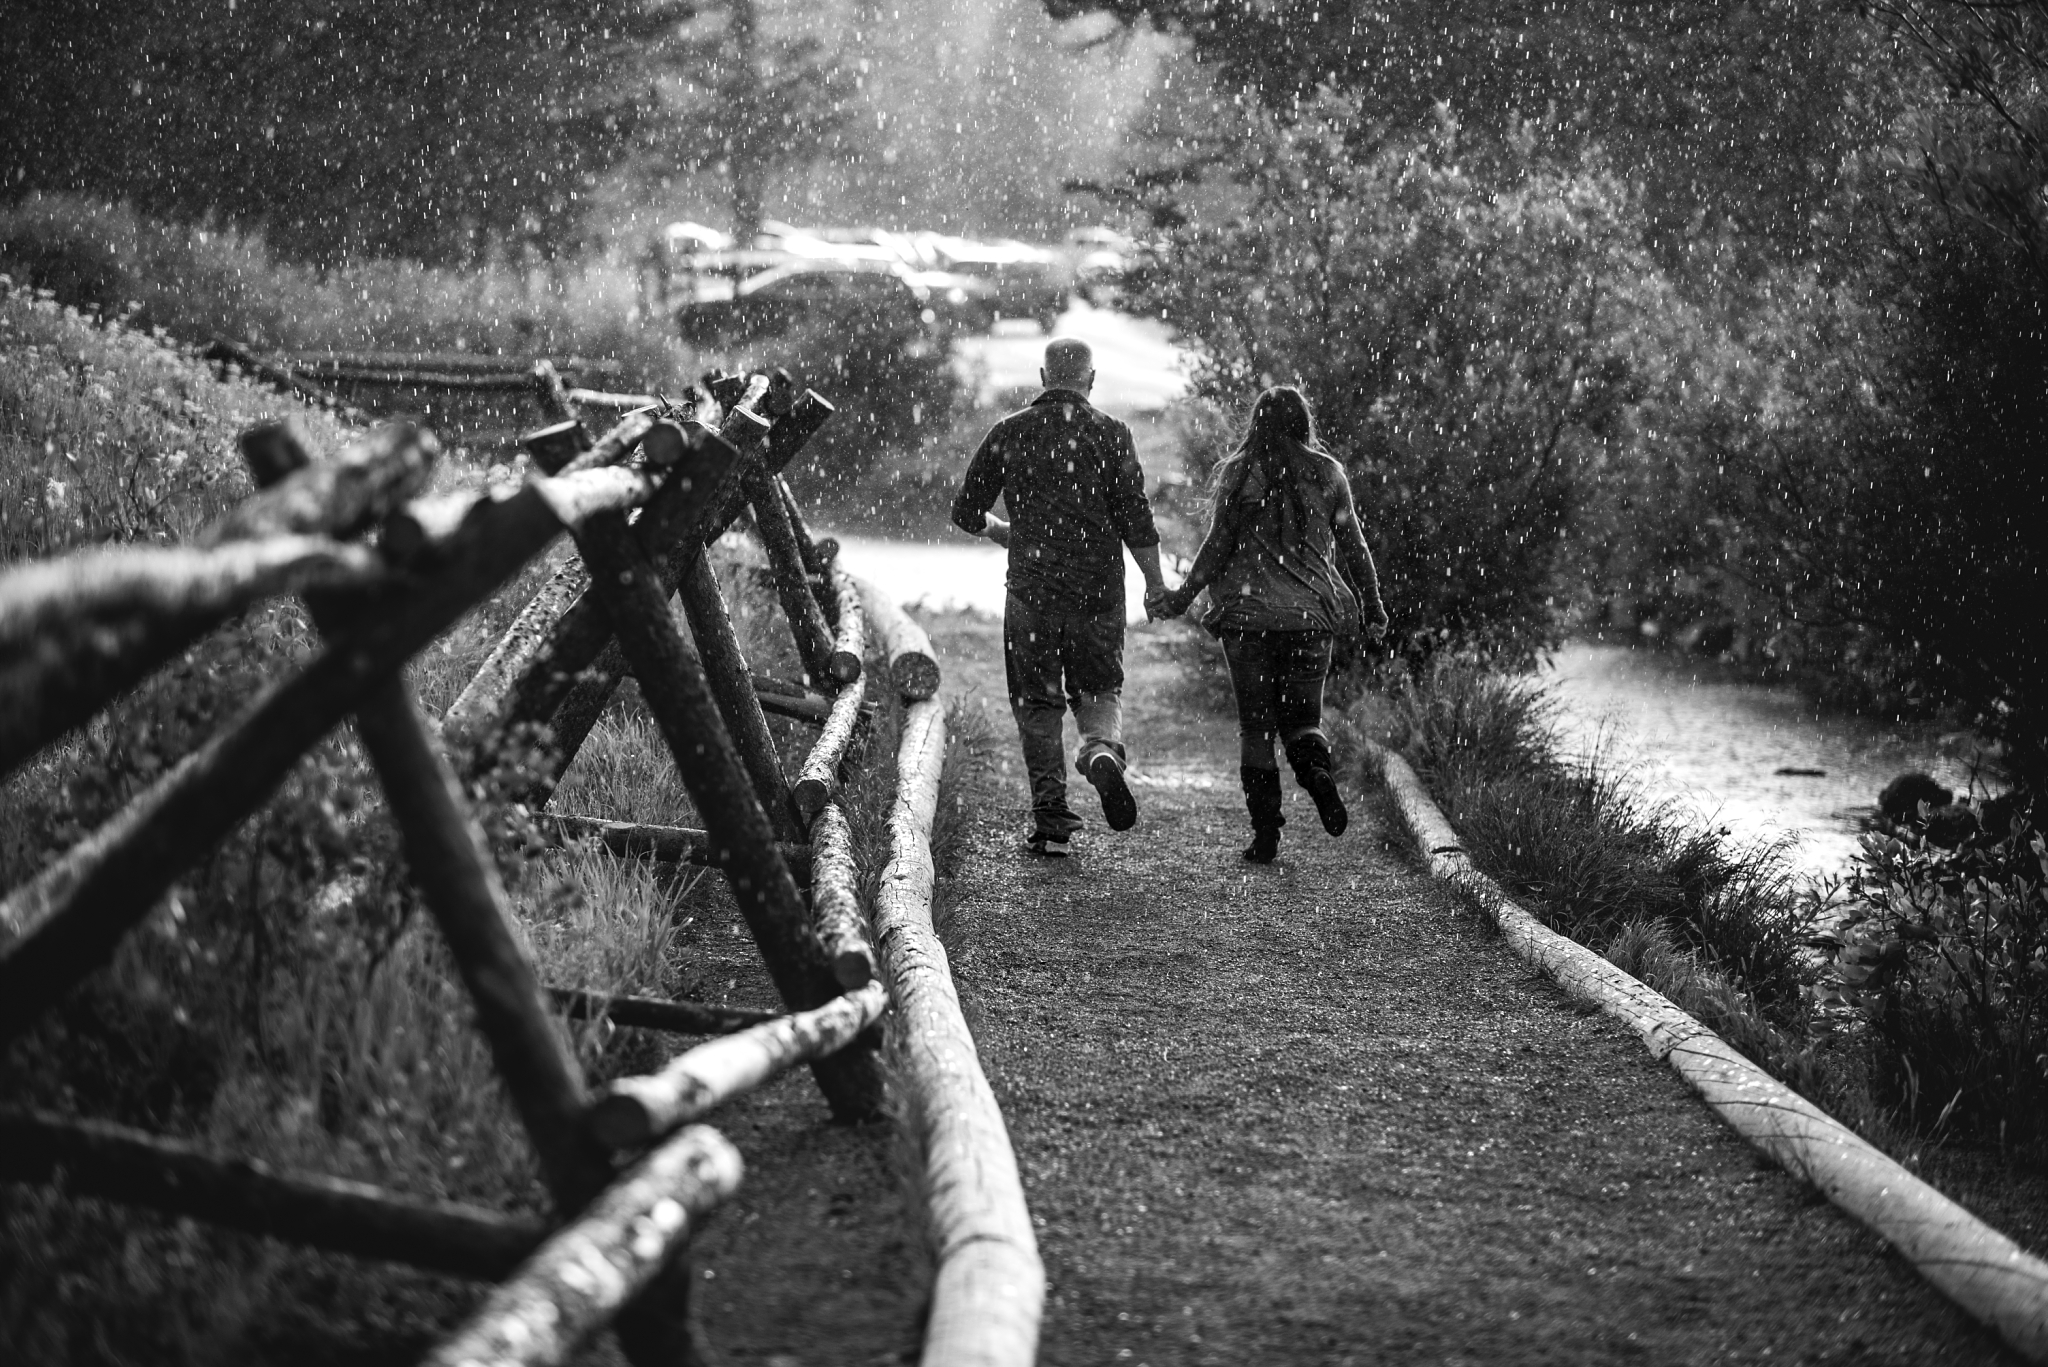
1278, 678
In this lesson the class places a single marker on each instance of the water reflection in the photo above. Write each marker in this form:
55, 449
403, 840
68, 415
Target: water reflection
1764, 762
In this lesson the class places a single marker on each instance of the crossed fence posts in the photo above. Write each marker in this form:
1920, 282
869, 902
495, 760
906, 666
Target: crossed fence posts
628, 1171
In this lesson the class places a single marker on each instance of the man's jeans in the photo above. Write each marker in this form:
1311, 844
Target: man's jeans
1040, 648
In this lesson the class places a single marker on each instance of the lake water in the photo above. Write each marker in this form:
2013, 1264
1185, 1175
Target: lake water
1764, 762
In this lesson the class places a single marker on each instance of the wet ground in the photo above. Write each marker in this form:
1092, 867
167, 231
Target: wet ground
1312, 1114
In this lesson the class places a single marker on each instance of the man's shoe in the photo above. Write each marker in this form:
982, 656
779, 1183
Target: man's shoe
1046, 846
1119, 808
1265, 845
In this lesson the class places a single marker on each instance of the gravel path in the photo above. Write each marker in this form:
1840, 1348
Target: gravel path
1313, 1114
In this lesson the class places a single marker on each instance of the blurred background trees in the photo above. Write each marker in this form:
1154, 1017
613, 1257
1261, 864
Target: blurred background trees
1715, 323
1721, 323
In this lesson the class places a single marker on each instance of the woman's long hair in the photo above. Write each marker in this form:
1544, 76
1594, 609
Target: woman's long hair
1282, 430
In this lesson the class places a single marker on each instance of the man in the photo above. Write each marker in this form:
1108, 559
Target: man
1068, 474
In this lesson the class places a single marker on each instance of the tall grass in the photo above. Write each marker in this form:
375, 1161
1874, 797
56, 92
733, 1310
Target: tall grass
290, 999
1724, 930
106, 434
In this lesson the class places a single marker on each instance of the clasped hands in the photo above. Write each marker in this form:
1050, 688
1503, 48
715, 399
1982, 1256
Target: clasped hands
1162, 603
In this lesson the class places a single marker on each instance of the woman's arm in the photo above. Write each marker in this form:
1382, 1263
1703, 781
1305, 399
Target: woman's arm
1217, 548
1358, 557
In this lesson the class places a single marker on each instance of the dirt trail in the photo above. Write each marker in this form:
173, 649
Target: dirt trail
1312, 1114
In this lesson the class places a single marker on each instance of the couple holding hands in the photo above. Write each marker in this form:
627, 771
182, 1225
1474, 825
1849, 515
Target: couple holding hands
1285, 565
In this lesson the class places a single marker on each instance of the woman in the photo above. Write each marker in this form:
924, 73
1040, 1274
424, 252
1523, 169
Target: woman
1277, 600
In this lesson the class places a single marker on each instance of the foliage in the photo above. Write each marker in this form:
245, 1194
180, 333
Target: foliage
740, 102
1735, 123
105, 434
1467, 323
1848, 493
1945, 952
201, 283
432, 129
1594, 854
286, 1000
892, 382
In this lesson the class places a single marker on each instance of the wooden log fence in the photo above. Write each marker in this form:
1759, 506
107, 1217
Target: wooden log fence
641, 501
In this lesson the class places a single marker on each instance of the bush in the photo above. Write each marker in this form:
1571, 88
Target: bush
1591, 853
199, 283
286, 1000
108, 434
891, 380
1471, 322
1945, 953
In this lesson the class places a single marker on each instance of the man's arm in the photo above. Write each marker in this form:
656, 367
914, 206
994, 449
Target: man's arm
979, 492
1129, 511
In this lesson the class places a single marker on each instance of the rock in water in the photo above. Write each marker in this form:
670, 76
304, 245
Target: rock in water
1900, 801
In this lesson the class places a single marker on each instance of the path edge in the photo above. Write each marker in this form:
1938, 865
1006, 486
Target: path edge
988, 1293
1990, 1277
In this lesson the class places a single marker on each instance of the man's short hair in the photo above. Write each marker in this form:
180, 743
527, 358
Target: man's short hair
1068, 361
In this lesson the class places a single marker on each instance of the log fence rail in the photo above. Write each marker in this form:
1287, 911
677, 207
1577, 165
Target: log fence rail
629, 1176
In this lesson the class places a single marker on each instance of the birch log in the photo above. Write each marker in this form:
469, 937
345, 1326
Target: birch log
819, 781
912, 666
585, 1274
850, 633
1981, 1270
636, 1111
990, 1287
835, 900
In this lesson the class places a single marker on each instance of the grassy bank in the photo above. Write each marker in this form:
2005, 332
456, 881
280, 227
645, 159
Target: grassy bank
290, 1000
1912, 1023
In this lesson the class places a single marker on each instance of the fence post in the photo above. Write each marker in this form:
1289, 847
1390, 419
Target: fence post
732, 684
792, 579
673, 685
449, 861
447, 857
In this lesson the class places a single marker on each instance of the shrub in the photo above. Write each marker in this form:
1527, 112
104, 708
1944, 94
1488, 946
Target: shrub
1945, 953
199, 283
891, 380
1593, 855
1471, 323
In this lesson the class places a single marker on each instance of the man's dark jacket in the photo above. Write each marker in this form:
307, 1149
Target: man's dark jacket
1069, 473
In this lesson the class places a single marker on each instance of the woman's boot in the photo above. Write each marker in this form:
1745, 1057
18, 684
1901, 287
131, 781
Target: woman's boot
1310, 756
1262, 800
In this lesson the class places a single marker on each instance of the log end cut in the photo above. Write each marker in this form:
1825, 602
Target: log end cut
916, 675
853, 966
